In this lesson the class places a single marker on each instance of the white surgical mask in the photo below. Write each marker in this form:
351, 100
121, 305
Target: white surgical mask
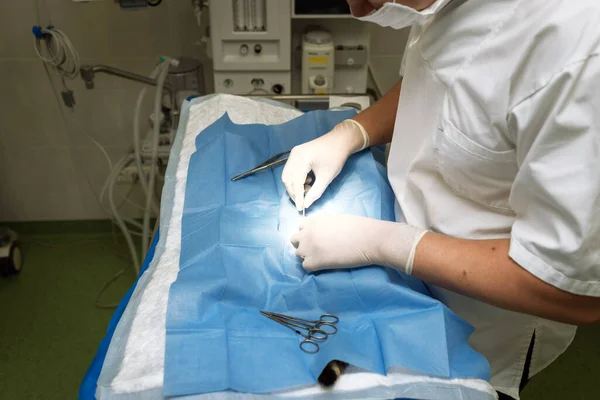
399, 16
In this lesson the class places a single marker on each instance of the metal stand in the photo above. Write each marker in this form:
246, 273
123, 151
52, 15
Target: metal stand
296, 97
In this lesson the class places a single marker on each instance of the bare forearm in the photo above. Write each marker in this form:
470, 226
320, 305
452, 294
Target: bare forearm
378, 120
482, 269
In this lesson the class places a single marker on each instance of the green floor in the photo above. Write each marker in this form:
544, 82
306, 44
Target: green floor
50, 328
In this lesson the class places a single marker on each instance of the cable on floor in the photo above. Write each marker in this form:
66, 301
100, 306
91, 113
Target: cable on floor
106, 285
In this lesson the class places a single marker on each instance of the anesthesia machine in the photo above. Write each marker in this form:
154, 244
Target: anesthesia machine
287, 47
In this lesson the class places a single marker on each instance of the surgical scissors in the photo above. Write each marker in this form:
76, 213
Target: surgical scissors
312, 327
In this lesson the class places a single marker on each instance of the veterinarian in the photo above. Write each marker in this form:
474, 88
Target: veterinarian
495, 163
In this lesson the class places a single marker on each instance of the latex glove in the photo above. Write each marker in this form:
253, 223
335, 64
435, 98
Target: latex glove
326, 157
346, 241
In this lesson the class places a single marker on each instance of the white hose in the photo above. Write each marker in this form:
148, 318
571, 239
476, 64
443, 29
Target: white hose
61, 53
154, 140
109, 183
112, 177
137, 143
118, 220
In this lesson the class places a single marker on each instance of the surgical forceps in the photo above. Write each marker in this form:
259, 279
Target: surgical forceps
272, 162
314, 328
275, 161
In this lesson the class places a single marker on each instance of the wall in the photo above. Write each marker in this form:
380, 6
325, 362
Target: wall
387, 48
44, 172
47, 174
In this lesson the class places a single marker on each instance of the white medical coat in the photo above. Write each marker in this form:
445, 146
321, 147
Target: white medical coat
497, 135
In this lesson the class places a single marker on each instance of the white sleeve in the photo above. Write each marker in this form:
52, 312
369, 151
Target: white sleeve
556, 194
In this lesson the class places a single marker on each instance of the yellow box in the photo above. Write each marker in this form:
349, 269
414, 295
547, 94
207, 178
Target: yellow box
318, 60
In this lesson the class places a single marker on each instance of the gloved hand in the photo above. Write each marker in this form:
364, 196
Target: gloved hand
326, 157
346, 241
